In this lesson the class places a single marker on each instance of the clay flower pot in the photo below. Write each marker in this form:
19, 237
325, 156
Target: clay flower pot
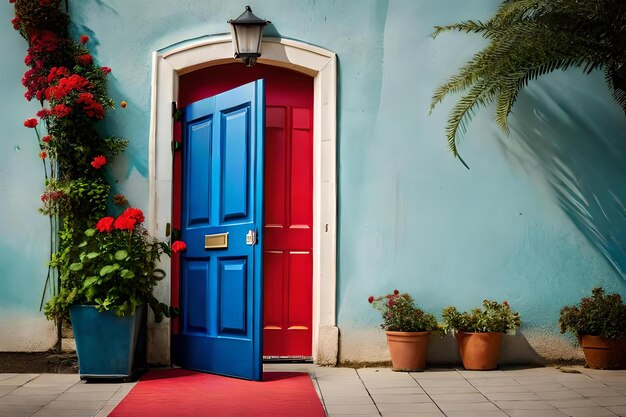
408, 350
601, 353
479, 351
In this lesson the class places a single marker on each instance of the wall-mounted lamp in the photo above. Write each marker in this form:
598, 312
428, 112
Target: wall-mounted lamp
247, 31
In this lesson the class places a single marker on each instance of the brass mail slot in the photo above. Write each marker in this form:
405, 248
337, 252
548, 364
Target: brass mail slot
216, 241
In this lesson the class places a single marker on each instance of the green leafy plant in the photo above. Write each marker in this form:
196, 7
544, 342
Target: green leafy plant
115, 268
530, 38
599, 315
400, 314
493, 317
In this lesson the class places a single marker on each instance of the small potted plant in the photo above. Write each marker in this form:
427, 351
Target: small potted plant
407, 328
479, 332
599, 323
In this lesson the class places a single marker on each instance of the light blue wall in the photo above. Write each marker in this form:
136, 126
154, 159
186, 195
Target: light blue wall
538, 220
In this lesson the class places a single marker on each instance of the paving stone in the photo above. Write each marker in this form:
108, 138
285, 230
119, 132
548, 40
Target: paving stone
400, 390
401, 399
49, 412
482, 374
445, 407
351, 409
444, 383
5, 389
511, 396
506, 389
425, 414
471, 413
559, 395
524, 405
597, 392
459, 398
587, 412
619, 410
572, 403
535, 413
451, 390
76, 405
348, 400
547, 387
11, 399
6, 409
408, 408
609, 401
493, 382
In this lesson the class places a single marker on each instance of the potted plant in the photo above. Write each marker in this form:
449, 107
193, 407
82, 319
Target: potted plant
599, 323
407, 328
107, 290
479, 332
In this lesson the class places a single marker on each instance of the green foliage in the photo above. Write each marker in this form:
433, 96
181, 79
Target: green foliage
493, 317
400, 314
530, 38
115, 269
599, 315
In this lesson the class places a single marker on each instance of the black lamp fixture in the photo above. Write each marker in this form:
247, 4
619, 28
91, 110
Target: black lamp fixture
247, 31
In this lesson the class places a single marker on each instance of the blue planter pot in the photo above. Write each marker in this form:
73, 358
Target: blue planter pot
106, 344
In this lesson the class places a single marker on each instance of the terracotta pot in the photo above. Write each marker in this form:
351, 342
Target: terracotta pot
479, 351
601, 353
408, 350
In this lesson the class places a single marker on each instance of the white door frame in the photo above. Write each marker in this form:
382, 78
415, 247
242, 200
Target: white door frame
167, 66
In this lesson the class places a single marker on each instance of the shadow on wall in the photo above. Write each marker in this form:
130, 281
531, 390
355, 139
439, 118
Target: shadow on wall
576, 135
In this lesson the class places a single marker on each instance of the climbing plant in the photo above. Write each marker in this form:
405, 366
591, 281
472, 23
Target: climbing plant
530, 38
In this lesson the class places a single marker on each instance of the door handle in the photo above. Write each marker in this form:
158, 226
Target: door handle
216, 241
251, 238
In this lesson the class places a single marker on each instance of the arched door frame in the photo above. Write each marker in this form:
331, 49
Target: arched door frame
167, 66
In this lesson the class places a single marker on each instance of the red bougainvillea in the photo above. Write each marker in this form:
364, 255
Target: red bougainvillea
98, 161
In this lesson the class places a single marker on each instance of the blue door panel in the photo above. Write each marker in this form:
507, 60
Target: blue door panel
221, 287
233, 286
198, 175
235, 180
197, 279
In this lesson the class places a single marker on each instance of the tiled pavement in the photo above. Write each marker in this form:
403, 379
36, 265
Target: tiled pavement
532, 392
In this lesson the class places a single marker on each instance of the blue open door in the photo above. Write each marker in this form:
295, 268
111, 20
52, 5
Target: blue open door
222, 218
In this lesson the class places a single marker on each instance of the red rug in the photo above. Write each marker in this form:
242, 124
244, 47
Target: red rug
184, 393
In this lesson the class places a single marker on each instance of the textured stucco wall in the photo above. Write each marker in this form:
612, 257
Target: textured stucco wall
538, 220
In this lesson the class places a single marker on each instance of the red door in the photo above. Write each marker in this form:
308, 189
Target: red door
288, 198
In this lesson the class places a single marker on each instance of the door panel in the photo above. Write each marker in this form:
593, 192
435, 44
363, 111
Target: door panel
221, 273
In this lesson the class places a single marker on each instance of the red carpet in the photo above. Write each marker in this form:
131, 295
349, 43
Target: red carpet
184, 393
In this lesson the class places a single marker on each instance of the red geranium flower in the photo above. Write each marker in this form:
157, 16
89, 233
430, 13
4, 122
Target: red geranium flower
371, 299
98, 161
28, 59
30, 122
106, 70
134, 213
105, 224
16, 22
396, 292
44, 113
46, 139
61, 110
179, 246
124, 222
43, 154
84, 39
85, 59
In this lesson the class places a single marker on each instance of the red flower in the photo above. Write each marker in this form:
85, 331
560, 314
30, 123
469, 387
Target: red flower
371, 299
179, 246
84, 39
99, 161
91, 107
43, 154
106, 70
85, 59
16, 23
30, 122
391, 303
44, 3
28, 59
11, 1
46, 139
396, 292
56, 72
43, 41
124, 222
66, 85
134, 213
44, 113
105, 224
120, 200
61, 110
